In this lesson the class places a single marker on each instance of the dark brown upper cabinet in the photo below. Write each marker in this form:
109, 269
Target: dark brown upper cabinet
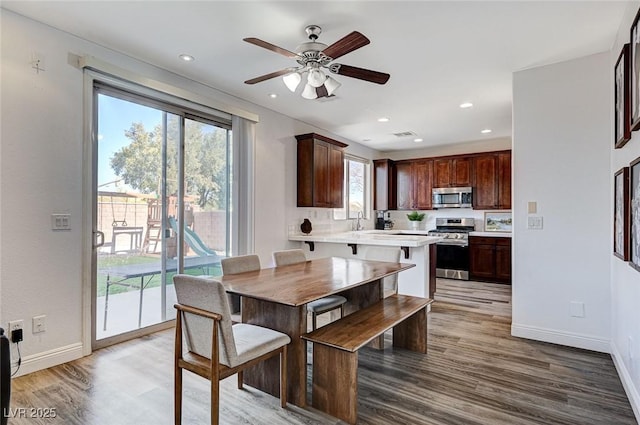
407, 184
492, 181
452, 172
384, 184
414, 184
320, 171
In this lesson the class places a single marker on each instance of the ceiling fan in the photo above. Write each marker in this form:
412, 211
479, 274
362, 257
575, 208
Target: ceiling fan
312, 57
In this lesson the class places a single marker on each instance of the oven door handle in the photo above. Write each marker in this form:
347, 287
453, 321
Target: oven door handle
463, 245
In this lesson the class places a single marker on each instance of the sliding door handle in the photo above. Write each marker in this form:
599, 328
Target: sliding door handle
98, 236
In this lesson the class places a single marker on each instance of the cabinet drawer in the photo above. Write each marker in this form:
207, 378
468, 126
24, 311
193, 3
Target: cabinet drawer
503, 241
482, 240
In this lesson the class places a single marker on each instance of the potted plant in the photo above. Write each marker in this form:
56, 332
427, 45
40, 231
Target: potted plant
415, 218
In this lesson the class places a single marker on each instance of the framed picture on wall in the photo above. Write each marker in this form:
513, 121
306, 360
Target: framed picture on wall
634, 214
622, 104
634, 51
497, 221
621, 214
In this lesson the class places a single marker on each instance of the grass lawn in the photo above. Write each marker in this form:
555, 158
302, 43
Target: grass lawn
123, 260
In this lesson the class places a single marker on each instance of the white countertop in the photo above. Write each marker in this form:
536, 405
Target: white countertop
409, 238
491, 234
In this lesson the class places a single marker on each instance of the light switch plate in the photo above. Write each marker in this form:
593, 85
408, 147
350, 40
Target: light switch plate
534, 223
61, 221
532, 207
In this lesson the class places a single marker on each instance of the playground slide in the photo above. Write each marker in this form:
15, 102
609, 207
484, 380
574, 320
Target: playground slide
192, 239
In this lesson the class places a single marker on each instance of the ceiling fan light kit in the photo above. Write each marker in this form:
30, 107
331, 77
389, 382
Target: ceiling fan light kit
309, 92
292, 80
312, 56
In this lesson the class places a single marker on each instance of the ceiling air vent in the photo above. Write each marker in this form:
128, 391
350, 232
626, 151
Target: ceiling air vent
404, 134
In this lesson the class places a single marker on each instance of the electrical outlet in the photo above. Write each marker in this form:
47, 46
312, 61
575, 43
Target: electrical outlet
15, 330
577, 309
38, 324
15, 325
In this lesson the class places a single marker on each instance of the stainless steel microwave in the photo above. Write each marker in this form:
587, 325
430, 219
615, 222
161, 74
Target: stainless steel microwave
451, 197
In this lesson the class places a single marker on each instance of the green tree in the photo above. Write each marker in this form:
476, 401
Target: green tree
139, 162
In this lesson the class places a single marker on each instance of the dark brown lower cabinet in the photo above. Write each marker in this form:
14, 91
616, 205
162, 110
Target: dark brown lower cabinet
433, 258
490, 259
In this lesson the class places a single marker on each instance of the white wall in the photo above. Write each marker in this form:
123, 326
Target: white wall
561, 150
625, 281
41, 172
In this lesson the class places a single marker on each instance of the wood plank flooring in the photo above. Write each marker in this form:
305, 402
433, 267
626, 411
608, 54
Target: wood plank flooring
474, 373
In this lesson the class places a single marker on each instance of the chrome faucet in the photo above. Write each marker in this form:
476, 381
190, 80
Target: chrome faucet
358, 224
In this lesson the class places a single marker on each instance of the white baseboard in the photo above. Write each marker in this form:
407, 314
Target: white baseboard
627, 382
586, 342
50, 358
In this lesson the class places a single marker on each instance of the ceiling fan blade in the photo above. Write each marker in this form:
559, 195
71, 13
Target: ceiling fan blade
322, 91
359, 73
346, 44
269, 76
269, 46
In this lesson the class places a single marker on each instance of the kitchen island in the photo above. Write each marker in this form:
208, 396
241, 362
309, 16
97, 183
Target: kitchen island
417, 248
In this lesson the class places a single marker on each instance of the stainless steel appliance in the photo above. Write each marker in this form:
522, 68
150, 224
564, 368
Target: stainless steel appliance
453, 251
451, 197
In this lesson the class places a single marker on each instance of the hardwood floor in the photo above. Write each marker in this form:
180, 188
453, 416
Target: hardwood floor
474, 373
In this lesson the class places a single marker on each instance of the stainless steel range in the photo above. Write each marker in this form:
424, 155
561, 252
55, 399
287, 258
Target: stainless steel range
453, 251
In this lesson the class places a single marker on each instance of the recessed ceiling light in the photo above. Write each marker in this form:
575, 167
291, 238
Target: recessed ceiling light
383, 119
466, 105
273, 95
418, 140
486, 131
186, 58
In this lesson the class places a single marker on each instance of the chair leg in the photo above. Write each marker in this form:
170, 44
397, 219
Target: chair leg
283, 377
177, 397
313, 321
240, 380
215, 401
342, 311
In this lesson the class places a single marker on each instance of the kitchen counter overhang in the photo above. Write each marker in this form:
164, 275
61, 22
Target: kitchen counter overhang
416, 246
401, 238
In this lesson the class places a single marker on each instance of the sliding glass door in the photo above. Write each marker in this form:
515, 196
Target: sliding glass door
161, 207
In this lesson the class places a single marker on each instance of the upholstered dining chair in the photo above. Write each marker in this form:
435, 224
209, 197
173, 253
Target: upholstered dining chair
384, 253
323, 305
235, 265
216, 349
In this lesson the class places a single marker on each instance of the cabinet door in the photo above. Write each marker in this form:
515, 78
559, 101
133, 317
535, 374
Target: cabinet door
384, 185
485, 195
423, 171
404, 192
441, 173
321, 197
320, 171
504, 180
460, 172
482, 260
503, 260
336, 177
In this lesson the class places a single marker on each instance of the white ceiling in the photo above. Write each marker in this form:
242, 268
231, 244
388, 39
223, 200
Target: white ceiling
439, 54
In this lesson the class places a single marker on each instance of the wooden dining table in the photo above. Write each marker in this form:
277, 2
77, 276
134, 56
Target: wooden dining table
276, 298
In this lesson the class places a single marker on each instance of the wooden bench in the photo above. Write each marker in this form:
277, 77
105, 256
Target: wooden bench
336, 345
